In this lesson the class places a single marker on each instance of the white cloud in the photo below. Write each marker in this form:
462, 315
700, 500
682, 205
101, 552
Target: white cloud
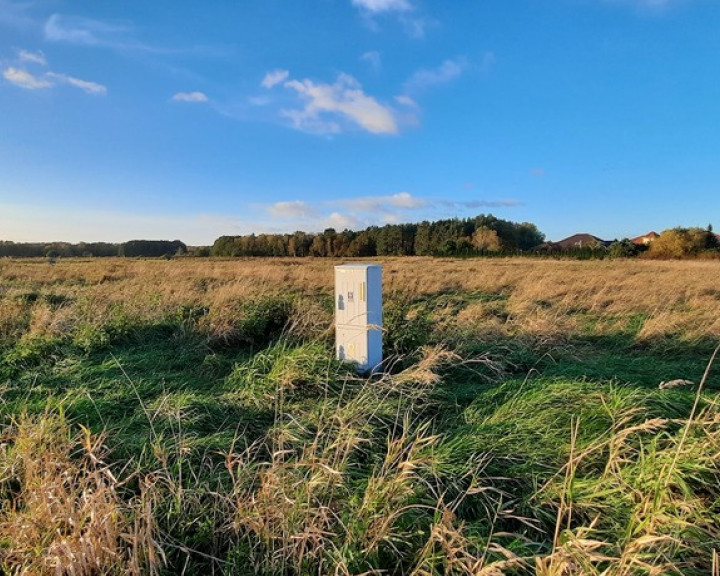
117, 36
24, 79
403, 10
310, 122
84, 31
340, 221
32, 57
405, 100
352, 213
414, 26
342, 100
259, 100
295, 209
274, 78
449, 70
378, 6
373, 58
403, 200
84, 85
189, 97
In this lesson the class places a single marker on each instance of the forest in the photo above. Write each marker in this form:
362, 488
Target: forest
146, 248
482, 234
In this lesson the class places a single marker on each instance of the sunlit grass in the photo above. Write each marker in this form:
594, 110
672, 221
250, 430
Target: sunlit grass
190, 416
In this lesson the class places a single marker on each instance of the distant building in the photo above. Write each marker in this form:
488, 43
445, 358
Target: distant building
580, 241
645, 239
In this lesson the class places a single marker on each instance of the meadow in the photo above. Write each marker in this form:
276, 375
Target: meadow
533, 416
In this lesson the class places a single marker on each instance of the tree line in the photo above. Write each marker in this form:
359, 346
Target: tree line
132, 248
484, 235
672, 244
452, 237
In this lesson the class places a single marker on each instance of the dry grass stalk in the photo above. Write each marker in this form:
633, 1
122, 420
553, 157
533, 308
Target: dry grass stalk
666, 524
65, 515
424, 374
449, 551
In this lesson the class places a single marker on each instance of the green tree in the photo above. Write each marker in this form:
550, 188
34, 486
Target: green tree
623, 249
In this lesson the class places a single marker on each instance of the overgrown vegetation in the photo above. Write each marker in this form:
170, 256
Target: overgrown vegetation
533, 417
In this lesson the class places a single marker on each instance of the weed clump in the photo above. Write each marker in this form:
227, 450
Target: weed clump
253, 322
282, 371
63, 512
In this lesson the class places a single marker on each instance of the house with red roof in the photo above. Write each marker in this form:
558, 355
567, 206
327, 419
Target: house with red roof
645, 239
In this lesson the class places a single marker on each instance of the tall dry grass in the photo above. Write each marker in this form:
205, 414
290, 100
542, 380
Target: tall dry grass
63, 513
540, 297
298, 510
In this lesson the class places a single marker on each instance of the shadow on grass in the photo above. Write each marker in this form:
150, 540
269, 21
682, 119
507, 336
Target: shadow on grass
152, 384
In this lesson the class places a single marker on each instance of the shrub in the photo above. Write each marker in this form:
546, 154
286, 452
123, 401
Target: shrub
407, 328
682, 242
623, 249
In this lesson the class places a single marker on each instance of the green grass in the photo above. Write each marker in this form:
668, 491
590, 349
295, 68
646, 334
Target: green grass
487, 443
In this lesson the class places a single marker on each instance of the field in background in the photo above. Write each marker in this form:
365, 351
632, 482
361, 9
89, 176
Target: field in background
161, 416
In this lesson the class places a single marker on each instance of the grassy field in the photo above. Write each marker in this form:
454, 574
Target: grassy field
188, 416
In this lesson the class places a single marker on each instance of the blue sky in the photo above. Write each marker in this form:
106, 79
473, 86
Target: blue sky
190, 120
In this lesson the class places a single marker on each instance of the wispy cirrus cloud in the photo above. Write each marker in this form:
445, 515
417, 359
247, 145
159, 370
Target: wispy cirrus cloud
425, 78
405, 100
274, 77
333, 108
85, 31
32, 57
448, 71
84, 85
382, 6
120, 36
22, 78
191, 97
373, 58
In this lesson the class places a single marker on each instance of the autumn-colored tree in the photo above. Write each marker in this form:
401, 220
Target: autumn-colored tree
486, 240
681, 243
